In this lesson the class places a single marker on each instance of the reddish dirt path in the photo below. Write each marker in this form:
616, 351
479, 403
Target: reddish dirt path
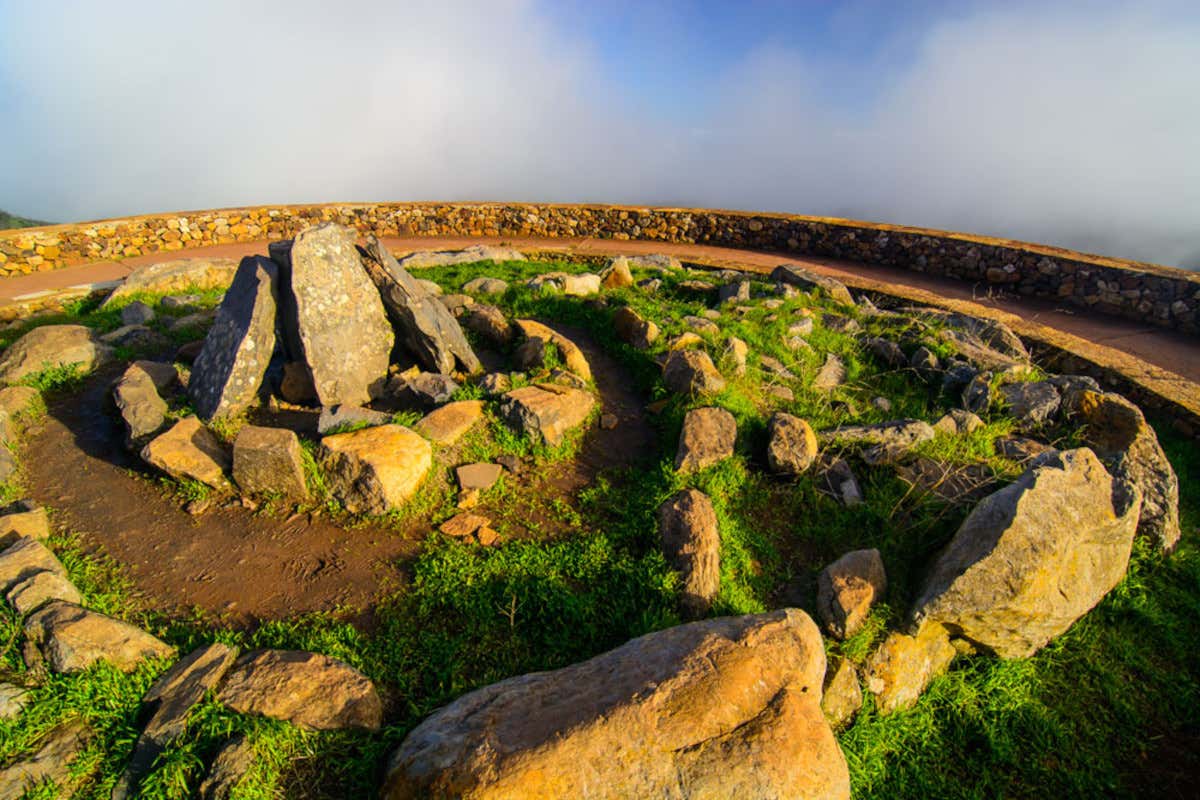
1175, 352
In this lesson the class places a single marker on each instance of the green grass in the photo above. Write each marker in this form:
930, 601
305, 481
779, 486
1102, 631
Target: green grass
8, 221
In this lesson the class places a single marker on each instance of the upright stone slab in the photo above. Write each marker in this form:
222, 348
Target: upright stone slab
340, 326
268, 460
691, 540
230, 368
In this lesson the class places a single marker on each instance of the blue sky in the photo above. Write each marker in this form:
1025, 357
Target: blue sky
1072, 123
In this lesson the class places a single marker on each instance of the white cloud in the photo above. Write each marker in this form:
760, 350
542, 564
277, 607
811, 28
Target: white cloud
1075, 125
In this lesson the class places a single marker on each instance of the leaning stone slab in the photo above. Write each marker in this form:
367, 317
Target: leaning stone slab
52, 346
346, 416
333, 314
229, 767
176, 276
141, 407
170, 699
572, 356
708, 437
18, 400
546, 412
1033, 557
269, 461
25, 558
229, 371
189, 451
40, 588
446, 425
72, 639
306, 689
375, 470
796, 275
691, 541
721, 708
831, 375
51, 763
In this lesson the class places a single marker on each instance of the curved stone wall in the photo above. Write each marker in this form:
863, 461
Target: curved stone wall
1154, 294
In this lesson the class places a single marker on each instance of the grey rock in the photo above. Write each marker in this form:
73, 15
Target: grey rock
425, 390
806, 279
736, 292
632, 329
843, 696
958, 422
175, 302
470, 255
774, 366
142, 409
1020, 448
38, 589
229, 767
840, 324
977, 396
1032, 403
13, 700
692, 372
924, 361
838, 481
702, 325
687, 525
495, 383
431, 288
137, 313
51, 763
831, 375
175, 276
546, 412
888, 352
530, 355
490, 324
346, 416
52, 346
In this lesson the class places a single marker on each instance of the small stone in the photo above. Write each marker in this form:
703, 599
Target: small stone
175, 302
801, 327
977, 396
782, 393
840, 324
464, 526
23, 520
791, 444
838, 481
958, 422
692, 372
847, 589
51, 346
50, 764
685, 340
702, 326
490, 324
888, 352
495, 383
899, 671
831, 375
229, 767
734, 292
424, 390
608, 421
485, 286
736, 351
1020, 449
349, 416
806, 279
137, 313
1032, 403
477, 476
632, 329
924, 361
530, 355
882, 404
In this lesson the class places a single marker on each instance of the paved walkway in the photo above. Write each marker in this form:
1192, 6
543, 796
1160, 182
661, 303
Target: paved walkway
1175, 352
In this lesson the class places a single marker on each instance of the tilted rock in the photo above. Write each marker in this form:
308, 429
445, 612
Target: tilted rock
485, 286
171, 698
924, 361
175, 277
40, 588
632, 329
958, 422
424, 390
791, 444
895, 435
229, 371
306, 689
843, 695
332, 315
1020, 448
51, 346
848, 589
831, 375
545, 411
1119, 433
72, 639
974, 351
616, 275
470, 255
141, 407
903, 666
1033, 403
51, 763
426, 327
375, 470
977, 396
23, 559
1033, 557
229, 767
692, 372
447, 424
736, 351
490, 323
24, 519
888, 352
721, 708
838, 481
708, 437
691, 541
572, 356
345, 416
796, 275
137, 313
17, 401
269, 461
189, 451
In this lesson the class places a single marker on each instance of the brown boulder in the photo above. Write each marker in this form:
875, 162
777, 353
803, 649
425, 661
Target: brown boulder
847, 589
269, 461
25, 558
72, 639
617, 274
791, 444
375, 470
546, 412
189, 451
708, 437
843, 695
491, 324
633, 329
691, 541
176, 276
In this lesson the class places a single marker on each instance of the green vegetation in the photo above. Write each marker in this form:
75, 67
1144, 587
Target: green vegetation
1082, 718
8, 220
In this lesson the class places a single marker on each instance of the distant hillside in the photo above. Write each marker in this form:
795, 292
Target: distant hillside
7, 220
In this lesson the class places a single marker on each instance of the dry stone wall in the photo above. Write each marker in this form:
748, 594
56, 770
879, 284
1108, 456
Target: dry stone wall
1159, 295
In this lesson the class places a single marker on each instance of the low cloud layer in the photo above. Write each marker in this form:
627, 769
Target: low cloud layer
1072, 127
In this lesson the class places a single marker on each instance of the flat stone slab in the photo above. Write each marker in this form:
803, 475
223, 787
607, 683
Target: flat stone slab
572, 356
23, 559
375, 470
52, 346
708, 437
72, 639
40, 588
448, 424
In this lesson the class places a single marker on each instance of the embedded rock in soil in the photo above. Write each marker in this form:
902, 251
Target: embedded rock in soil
52, 346
426, 327
171, 698
189, 451
457, 304
13, 700
1031, 403
692, 372
736, 351
173, 277
888, 352
687, 525
796, 275
545, 411
736, 292
843, 695
229, 767
974, 351
840, 324
136, 337
333, 316
230, 368
18, 400
702, 325
72, 639
838, 481
23, 559
490, 323
572, 356
1033, 557
342, 416
485, 286
137, 313
847, 589
904, 665
141, 407
477, 477
959, 422
1019, 448
50, 764
424, 390
632, 329
306, 689
924, 361
469, 255
616, 275
447, 424
38, 589
791, 444
375, 470
1118, 432
890, 438
23, 520
801, 327
725, 707
831, 375
269, 461
530, 355
708, 436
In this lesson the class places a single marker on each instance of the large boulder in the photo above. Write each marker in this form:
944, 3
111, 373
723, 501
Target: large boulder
269, 461
1033, 557
52, 346
691, 541
796, 275
546, 412
332, 315
848, 589
427, 328
306, 689
375, 470
229, 371
189, 451
721, 708
692, 372
708, 437
175, 277
791, 444
1118, 432
572, 356
1032, 403
71, 639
